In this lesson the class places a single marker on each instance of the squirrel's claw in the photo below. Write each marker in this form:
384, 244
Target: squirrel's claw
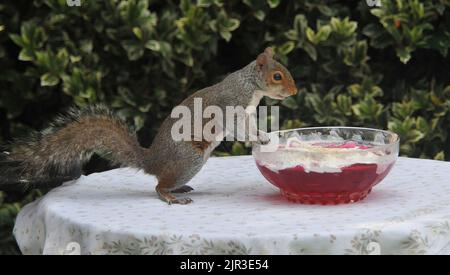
181, 201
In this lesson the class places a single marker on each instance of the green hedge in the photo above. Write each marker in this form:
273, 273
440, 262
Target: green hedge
385, 67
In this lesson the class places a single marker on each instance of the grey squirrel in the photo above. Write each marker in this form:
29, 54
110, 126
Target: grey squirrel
57, 153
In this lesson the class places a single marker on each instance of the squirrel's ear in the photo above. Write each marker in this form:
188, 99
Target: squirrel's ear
261, 61
269, 52
263, 58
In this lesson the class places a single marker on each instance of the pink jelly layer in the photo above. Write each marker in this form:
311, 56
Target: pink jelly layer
352, 184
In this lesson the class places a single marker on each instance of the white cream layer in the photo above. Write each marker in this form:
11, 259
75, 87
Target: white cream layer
322, 160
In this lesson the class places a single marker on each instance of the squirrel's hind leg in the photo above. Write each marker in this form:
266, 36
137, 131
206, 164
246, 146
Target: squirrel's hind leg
172, 178
166, 196
182, 189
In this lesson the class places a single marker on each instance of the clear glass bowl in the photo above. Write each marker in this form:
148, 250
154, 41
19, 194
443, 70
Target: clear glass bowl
326, 165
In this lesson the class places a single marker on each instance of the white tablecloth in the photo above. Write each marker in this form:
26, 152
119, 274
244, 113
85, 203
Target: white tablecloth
236, 211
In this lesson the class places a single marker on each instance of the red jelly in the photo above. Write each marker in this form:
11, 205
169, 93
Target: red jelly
352, 184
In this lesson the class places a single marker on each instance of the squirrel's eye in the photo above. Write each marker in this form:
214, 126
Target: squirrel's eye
277, 76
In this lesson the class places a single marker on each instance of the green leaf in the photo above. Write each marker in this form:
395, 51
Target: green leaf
89, 93
25, 55
138, 32
311, 35
377, 12
49, 79
273, 3
134, 50
126, 95
344, 104
63, 59
344, 28
404, 54
185, 5
300, 23
310, 50
260, 15
238, 149
422, 125
325, 10
368, 109
414, 136
165, 49
17, 39
357, 54
372, 30
405, 109
226, 35
188, 60
323, 34
286, 48
290, 103
204, 3
138, 122
153, 45
145, 108
439, 156
232, 24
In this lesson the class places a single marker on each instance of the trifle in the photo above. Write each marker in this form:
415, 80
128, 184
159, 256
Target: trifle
328, 165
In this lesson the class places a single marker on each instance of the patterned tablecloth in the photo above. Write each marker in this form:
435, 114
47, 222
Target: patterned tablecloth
236, 211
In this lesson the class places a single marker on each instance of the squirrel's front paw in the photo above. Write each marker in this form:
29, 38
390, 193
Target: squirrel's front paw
263, 138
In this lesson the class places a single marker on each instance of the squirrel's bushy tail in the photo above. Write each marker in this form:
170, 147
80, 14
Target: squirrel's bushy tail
52, 156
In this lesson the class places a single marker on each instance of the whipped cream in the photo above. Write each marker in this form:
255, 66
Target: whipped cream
323, 156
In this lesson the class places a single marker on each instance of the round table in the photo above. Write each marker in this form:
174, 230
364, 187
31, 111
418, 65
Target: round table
236, 211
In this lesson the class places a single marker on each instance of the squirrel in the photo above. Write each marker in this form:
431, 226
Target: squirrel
56, 155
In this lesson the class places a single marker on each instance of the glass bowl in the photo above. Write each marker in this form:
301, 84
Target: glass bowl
326, 165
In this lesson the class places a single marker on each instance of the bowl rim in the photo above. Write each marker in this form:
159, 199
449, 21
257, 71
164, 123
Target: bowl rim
396, 140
